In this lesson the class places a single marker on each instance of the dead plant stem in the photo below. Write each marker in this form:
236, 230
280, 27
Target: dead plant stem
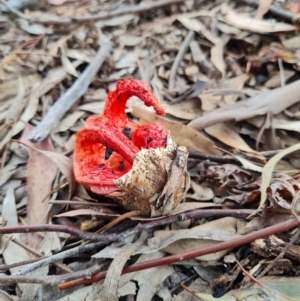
278, 228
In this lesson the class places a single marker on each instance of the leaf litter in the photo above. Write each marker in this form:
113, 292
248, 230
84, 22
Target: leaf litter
227, 76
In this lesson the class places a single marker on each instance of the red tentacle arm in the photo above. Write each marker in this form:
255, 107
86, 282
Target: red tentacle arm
102, 154
117, 99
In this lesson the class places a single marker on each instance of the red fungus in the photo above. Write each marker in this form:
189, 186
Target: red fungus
106, 146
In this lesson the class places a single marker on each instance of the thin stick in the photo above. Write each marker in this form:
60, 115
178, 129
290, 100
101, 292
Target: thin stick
183, 49
236, 242
67, 100
109, 237
281, 255
277, 11
132, 9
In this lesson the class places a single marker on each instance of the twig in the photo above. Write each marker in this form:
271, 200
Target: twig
37, 254
281, 70
65, 102
110, 237
132, 9
236, 242
53, 279
213, 158
284, 250
277, 11
59, 256
183, 49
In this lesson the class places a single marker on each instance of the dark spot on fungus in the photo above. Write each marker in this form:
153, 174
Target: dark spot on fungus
149, 139
121, 166
108, 152
166, 138
101, 165
127, 132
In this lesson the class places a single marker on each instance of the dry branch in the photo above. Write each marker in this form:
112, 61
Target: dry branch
274, 101
277, 11
236, 242
65, 102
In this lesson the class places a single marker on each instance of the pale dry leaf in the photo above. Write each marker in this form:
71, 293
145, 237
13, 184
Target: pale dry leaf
10, 167
260, 104
275, 80
263, 7
84, 55
112, 279
34, 28
200, 192
127, 40
16, 102
68, 122
235, 84
209, 101
66, 63
293, 43
217, 56
41, 172
6, 297
210, 233
117, 21
56, 2
93, 107
230, 137
78, 212
248, 164
277, 123
149, 281
8, 89
259, 26
64, 164
181, 134
268, 172
196, 25
9, 210
54, 76
128, 60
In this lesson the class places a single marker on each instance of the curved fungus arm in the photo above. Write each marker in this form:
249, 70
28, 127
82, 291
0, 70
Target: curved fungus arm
126, 88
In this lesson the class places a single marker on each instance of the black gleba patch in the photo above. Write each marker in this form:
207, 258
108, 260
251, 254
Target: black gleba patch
108, 152
127, 132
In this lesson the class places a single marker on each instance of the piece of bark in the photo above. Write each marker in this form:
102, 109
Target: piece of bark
274, 101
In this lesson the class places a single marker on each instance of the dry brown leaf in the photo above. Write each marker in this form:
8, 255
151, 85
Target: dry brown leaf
181, 134
268, 172
66, 63
210, 233
41, 174
260, 104
263, 7
34, 28
226, 171
200, 192
150, 281
196, 25
217, 55
235, 83
16, 102
8, 89
68, 122
112, 279
229, 136
78, 212
247, 23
